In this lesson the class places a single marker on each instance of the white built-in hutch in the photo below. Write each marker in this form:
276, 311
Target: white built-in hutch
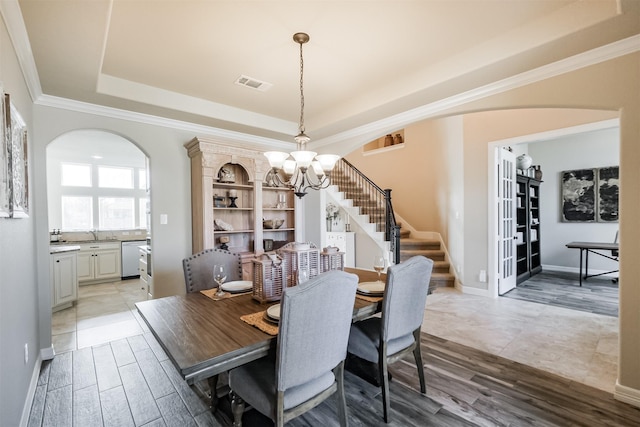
220, 171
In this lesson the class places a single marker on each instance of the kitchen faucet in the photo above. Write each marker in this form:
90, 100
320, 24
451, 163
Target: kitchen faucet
95, 234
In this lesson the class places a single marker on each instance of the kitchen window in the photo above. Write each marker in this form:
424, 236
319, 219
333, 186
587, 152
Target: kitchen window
104, 197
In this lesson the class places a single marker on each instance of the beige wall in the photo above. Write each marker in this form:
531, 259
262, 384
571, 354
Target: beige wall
612, 85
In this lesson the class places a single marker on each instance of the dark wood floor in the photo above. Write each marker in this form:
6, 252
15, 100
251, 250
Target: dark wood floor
130, 382
597, 295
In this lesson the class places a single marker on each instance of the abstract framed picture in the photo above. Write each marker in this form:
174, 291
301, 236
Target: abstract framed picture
578, 195
19, 166
5, 190
608, 193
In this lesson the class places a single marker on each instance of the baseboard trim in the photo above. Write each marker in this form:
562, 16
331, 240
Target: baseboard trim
563, 269
47, 353
33, 384
474, 291
627, 394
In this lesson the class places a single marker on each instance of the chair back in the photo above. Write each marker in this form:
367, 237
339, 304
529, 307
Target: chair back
405, 297
315, 321
198, 268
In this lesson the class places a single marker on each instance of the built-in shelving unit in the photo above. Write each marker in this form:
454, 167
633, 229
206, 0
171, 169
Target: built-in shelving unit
529, 260
220, 173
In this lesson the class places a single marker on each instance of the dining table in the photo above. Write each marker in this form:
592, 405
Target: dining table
204, 337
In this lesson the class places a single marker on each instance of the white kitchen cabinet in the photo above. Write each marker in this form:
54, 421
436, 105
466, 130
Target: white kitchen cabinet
99, 262
145, 278
64, 279
345, 242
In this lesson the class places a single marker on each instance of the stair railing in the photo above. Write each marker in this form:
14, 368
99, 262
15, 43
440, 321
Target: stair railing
372, 200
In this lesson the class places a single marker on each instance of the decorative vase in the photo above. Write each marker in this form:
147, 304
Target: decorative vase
523, 162
397, 139
388, 140
329, 225
538, 173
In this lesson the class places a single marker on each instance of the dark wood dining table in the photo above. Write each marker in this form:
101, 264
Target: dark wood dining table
204, 338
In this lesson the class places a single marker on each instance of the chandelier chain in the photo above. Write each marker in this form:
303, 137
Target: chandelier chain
301, 125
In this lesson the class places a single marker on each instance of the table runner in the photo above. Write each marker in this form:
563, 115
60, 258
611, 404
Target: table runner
257, 320
211, 293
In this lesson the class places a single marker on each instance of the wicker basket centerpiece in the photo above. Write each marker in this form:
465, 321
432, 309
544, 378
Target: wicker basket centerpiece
299, 258
268, 273
331, 259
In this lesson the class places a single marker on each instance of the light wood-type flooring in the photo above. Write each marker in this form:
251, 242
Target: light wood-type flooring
482, 360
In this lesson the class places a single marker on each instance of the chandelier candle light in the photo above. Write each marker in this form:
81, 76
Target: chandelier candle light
300, 171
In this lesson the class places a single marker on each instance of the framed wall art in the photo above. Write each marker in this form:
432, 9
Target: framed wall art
5, 190
608, 193
18, 162
578, 195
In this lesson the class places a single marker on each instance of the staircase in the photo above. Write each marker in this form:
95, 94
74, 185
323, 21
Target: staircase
409, 246
365, 202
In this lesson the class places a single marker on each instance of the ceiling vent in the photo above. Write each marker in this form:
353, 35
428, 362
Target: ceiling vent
252, 83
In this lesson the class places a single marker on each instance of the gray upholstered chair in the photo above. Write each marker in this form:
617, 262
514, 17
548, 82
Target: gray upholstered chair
386, 339
311, 350
198, 268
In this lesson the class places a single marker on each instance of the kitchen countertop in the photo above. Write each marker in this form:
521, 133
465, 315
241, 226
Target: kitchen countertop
58, 248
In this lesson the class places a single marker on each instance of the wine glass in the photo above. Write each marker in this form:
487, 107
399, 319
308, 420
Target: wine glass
379, 263
219, 276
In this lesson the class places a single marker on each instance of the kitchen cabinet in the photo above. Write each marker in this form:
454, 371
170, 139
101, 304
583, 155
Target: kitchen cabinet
99, 262
64, 279
528, 261
230, 198
143, 267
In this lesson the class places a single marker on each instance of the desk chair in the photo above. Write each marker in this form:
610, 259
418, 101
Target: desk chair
198, 268
385, 340
310, 354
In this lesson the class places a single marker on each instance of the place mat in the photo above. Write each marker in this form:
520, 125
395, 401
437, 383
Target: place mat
368, 298
211, 293
257, 320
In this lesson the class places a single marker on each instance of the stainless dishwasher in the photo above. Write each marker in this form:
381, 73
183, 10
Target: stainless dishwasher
130, 256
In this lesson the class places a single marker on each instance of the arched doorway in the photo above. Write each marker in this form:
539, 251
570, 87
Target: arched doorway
98, 199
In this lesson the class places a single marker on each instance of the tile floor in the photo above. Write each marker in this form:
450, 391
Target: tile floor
573, 344
576, 345
104, 312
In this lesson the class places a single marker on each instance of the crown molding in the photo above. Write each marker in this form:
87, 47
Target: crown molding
10, 10
563, 66
222, 135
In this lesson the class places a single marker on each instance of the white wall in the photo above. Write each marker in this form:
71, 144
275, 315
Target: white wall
581, 151
18, 260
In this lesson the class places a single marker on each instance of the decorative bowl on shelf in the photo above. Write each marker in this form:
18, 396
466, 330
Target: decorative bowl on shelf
272, 223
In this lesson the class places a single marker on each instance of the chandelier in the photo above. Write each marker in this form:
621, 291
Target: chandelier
307, 169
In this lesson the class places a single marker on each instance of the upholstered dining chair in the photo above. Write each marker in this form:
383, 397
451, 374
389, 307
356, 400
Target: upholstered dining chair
310, 353
386, 339
198, 268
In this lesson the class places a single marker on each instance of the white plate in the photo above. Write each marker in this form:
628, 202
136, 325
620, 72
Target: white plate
371, 288
274, 312
238, 286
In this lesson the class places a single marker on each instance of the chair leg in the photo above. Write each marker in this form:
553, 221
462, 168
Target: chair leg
237, 408
342, 401
418, 356
213, 386
384, 381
